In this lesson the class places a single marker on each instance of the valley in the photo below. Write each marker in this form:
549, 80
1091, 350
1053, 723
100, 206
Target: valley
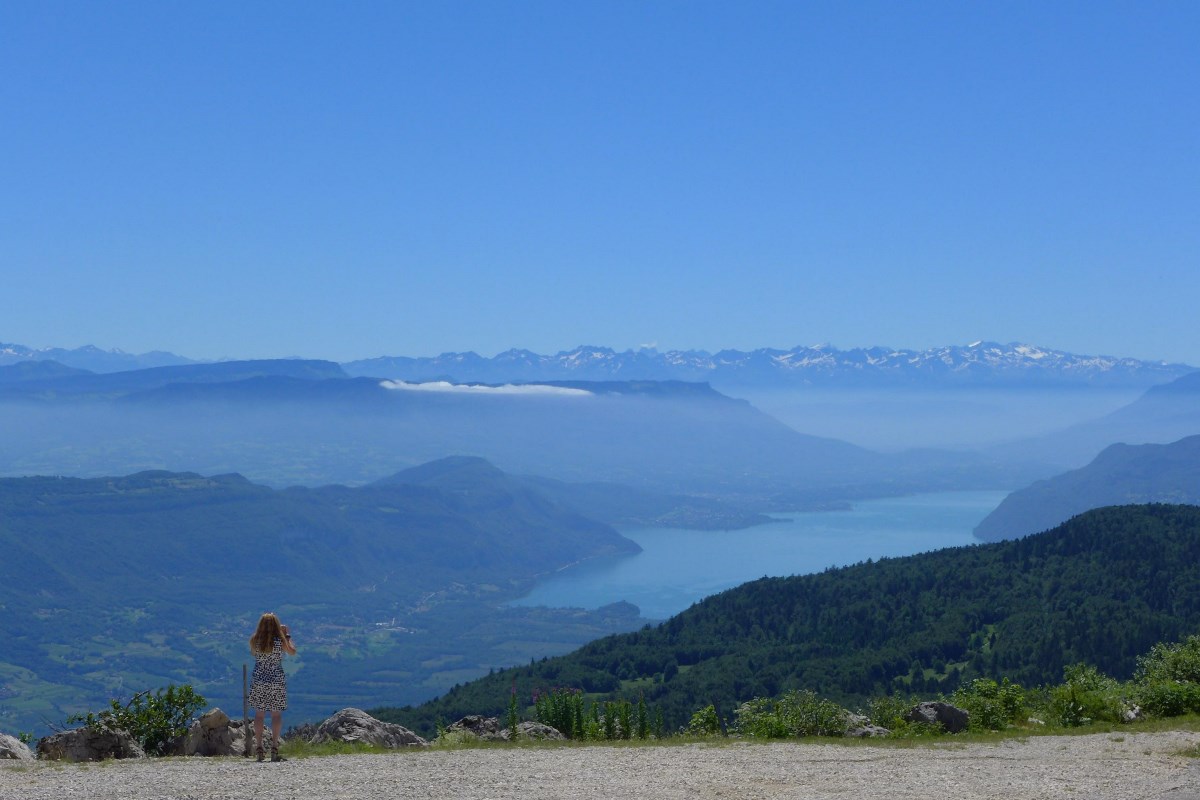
395, 524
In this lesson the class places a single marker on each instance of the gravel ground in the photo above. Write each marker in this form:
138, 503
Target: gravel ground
1111, 766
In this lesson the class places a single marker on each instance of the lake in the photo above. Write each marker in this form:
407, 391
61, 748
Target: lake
677, 567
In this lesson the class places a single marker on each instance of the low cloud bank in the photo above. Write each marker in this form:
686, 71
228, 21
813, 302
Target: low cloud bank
475, 388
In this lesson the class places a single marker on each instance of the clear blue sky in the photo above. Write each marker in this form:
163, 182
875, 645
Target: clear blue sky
346, 180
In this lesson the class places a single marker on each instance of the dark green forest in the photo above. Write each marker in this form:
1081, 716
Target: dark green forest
1102, 588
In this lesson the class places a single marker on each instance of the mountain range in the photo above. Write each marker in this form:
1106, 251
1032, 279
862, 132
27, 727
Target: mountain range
501, 480
977, 364
981, 363
290, 422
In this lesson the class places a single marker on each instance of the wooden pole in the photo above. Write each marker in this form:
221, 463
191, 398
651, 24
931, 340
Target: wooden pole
245, 714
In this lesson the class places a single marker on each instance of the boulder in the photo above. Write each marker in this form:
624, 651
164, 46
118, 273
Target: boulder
490, 729
536, 730
951, 718
213, 734
13, 748
860, 727
486, 729
88, 744
355, 725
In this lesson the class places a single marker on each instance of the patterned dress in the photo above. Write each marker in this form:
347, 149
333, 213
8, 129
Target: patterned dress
268, 684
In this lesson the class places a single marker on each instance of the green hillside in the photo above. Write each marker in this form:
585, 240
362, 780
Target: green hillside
115, 585
1122, 474
1101, 588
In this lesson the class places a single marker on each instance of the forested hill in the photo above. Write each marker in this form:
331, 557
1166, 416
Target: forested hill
1101, 588
1123, 473
111, 586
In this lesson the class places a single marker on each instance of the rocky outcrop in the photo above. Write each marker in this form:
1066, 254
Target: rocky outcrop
303, 732
536, 730
213, 734
490, 729
860, 727
88, 744
486, 729
951, 718
12, 748
355, 725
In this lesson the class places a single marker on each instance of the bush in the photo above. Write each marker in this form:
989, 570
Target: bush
1175, 661
1167, 681
992, 706
561, 709
888, 711
1086, 695
564, 709
152, 718
797, 713
704, 722
1169, 698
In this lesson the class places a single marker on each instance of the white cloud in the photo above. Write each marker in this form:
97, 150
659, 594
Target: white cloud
475, 388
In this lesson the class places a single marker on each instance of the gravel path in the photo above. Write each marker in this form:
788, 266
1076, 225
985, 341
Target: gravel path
1112, 766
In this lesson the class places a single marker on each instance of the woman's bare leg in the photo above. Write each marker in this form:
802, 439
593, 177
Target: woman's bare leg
258, 729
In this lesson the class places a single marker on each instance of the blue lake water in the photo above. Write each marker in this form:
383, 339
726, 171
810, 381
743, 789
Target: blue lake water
677, 567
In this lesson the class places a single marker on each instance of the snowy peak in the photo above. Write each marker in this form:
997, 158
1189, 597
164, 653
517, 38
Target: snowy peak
979, 363
90, 357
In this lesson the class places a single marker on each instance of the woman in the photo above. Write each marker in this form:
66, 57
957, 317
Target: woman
268, 686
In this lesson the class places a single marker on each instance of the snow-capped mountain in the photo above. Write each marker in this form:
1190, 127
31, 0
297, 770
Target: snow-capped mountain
90, 357
981, 363
978, 364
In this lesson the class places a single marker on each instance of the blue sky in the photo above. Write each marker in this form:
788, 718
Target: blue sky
347, 180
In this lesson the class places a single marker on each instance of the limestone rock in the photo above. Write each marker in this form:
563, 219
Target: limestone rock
88, 744
355, 725
13, 748
536, 730
491, 729
1132, 714
213, 734
487, 729
860, 727
951, 718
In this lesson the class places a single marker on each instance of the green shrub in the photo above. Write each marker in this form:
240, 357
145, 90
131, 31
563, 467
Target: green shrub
642, 719
608, 721
561, 709
992, 706
564, 709
514, 715
888, 711
1086, 695
1174, 661
704, 722
1168, 698
797, 713
152, 718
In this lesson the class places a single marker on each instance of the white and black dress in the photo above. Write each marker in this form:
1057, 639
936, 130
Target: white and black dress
268, 684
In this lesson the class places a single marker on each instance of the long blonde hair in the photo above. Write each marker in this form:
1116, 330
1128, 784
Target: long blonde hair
268, 631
